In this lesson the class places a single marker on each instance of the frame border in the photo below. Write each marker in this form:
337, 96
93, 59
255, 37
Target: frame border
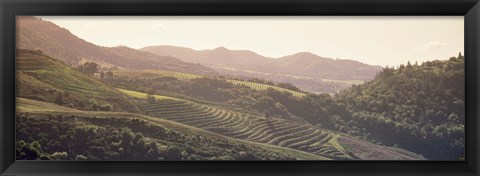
10, 8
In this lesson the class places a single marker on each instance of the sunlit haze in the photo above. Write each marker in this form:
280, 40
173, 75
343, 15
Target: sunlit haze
372, 40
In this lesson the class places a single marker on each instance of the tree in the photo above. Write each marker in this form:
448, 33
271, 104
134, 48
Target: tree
81, 157
30, 151
173, 153
89, 68
409, 65
98, 152
59, 99
151, 96
60, 155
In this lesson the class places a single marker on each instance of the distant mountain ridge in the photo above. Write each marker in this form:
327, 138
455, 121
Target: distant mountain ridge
308, 71
36, 34
305, 70
309, 64
300, 64
219, 55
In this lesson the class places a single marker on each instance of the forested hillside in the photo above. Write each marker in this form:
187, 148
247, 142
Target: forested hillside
417, 107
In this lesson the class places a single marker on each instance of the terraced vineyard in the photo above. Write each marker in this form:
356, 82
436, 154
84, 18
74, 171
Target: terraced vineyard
248, 126
259, 86
50, 71
41, 77
150, 74
203, 144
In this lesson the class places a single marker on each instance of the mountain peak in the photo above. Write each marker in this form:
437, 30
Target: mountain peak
305, 54
221, 48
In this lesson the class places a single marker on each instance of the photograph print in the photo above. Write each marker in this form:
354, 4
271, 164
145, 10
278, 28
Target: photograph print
182, 88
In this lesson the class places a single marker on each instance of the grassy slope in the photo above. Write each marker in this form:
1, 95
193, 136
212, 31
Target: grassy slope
43, 78
39, 107
52, 72
29, 105
186, 76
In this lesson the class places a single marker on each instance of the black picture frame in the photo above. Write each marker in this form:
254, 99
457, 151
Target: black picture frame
10, 8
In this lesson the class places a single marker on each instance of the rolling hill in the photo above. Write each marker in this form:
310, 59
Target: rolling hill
192, 113
217, 56
308, 64
41, 77
36, 34
54, 96
40, 81
418, 107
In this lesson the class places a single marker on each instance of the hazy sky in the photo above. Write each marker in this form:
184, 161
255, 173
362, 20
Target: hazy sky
373, 40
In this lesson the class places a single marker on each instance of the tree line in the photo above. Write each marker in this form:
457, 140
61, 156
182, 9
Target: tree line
71, 137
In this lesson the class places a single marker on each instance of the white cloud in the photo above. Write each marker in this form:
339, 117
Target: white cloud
433, 45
